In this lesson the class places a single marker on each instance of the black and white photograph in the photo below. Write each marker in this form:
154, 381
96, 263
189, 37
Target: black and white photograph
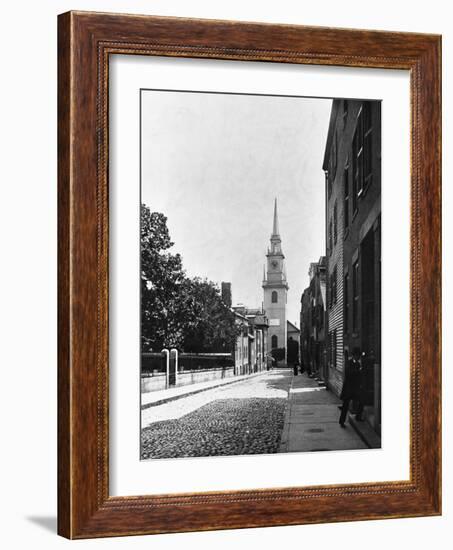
227, 251
260, 269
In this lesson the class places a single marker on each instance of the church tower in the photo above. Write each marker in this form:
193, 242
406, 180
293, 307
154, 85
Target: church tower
275, 288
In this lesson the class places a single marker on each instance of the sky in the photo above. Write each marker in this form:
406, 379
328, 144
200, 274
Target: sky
213, 164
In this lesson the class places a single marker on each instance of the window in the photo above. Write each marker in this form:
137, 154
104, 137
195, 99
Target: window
274, 341
330, 354
362, 153
329, 184
335, 223
330, 237
274, 297
354, 174
334, 285
367, 144
320, 316
329, 350
359, 153
346, 196
329, 291
334, 156
345, 112
357, 165
355, 296
332, 288
333, 348
346, 303
332, 166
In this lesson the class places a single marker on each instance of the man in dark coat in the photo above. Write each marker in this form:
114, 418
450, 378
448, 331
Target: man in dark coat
352, 386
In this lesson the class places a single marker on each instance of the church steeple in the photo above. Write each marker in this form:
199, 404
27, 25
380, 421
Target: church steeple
276, 271
275, 230
275, 288
276, 242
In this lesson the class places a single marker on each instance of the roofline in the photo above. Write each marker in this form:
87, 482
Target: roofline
332, 123
239, 315
293, 325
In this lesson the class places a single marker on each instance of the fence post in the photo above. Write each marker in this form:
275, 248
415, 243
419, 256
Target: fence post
175, 351
167, 369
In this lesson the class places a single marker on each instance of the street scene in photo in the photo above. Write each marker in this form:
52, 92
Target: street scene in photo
260, 271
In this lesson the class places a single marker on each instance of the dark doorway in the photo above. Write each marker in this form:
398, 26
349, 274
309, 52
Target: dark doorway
293, 351
369, 307
368, 293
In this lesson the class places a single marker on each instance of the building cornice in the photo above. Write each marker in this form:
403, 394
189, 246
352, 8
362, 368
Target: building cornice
277, 284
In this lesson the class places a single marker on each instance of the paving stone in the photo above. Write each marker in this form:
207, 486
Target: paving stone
245, 418
223, 427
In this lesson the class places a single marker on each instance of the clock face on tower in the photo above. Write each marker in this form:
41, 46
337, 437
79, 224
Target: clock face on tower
274, 264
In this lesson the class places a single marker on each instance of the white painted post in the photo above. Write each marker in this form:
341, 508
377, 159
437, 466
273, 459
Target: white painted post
167, 378
175, 351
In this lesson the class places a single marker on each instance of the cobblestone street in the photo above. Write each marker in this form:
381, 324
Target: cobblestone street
269, 413
246, 417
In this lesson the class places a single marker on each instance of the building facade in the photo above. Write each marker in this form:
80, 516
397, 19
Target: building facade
292, 331
313, 321
305, 323
362, 246
250, 353
251, 345
352, 164
335, 158
275, 289
293, 335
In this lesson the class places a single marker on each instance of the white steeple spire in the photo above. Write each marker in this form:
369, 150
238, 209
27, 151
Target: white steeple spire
276, 241
275, 230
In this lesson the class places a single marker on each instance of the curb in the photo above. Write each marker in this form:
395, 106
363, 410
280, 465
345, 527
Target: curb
284, 440
366, 433
199, 390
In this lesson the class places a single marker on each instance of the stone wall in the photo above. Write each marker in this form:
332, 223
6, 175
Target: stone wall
157, 382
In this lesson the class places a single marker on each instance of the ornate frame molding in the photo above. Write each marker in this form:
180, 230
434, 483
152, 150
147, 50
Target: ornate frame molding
86, 40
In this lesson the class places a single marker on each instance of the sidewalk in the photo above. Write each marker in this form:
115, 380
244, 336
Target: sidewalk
159, 397
311, 420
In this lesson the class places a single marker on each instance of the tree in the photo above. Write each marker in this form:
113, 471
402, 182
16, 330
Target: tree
278, 354
212, 327
162, 278
178, 311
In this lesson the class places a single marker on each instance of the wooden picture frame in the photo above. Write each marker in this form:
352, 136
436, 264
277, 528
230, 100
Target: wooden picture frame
85, 42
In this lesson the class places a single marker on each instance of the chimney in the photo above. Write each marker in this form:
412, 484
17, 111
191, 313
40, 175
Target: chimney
226, 294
